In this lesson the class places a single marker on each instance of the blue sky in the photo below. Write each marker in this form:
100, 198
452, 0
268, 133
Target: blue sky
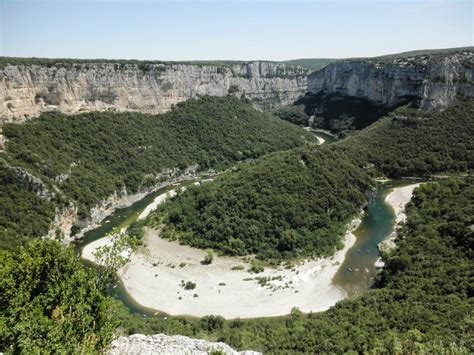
245, 30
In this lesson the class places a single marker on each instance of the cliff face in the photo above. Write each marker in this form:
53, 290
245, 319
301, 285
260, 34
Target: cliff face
427, 81
28, 90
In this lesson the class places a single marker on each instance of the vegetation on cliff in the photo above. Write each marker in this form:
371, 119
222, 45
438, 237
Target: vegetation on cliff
286, 204
411, 142
421, 303
294, 114
293, 67
341, 114
24, 213
88, 157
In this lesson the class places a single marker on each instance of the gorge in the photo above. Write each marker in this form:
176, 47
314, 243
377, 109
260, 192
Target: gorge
88, 147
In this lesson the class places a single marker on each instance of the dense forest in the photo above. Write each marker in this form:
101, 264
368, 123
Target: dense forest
287, 204
422, 301
293, 113
87, 157
24, 213
339, 113
411, 142
296, 203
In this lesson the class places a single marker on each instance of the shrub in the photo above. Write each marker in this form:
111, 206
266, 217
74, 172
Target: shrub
208, 258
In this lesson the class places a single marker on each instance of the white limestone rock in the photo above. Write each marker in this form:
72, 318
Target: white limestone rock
431, 81
169, 345
28, 90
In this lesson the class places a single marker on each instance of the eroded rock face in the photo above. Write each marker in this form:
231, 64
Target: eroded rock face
28, 90
164, 344
427, 81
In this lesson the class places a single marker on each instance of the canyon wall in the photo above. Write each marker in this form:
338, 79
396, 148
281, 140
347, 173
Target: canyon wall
26, 90
427, 81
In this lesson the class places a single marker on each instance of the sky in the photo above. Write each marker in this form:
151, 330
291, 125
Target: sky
230, 30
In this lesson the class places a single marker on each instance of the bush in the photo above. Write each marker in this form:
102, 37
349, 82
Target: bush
208, 258
188, 285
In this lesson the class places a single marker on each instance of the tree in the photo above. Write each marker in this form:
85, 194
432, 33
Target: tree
51, 303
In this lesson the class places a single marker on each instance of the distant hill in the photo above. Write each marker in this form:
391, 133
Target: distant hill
313, 64
423, 52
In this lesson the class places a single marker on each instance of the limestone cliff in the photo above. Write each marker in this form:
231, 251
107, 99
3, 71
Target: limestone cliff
428, 81
164, 344
26, 90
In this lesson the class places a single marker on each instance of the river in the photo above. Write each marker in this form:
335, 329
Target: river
355, 275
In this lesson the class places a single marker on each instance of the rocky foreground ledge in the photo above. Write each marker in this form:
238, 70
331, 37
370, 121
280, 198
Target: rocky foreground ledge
172, 345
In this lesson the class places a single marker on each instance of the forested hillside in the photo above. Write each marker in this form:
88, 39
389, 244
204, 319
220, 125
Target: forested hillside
287, 204
296, 203
24, 213
86, 158
421, 303
411, 142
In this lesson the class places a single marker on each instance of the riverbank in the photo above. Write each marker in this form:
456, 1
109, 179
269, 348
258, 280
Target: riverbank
154, 278
320, 139
397, 199
114, 202
89, 250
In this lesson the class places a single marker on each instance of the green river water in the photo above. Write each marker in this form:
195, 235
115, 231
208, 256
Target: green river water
355, 274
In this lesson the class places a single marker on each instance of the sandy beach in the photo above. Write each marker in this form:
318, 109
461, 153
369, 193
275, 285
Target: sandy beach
321, 140
397, 199
153, 278
157, 201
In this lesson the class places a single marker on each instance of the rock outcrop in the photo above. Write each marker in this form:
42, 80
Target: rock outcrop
26, 90
427, 81
175, 345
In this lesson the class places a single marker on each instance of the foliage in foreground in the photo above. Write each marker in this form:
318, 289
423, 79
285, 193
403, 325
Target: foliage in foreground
51, 303
284, 205
422, 303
